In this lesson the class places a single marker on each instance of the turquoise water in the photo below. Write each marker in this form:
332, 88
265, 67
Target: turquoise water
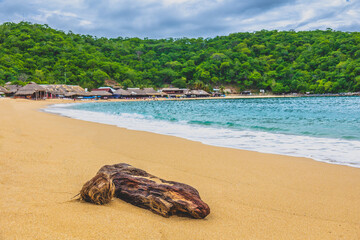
323, 128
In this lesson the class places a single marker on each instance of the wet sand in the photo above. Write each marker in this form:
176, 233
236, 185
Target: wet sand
45, 159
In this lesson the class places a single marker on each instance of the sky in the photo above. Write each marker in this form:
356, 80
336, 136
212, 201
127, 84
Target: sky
182, 18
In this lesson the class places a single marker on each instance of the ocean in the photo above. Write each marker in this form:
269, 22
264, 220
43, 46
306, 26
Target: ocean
325, 129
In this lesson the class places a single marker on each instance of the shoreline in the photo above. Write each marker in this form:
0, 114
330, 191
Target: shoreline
45, 159
299, 148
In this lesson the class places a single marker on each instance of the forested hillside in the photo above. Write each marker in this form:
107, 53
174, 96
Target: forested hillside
288, 61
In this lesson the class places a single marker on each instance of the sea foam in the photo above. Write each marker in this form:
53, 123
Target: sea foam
330, 150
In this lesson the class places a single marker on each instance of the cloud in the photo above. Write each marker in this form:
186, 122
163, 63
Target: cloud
182, 18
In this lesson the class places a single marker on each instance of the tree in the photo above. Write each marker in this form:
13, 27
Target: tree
179, 83
99, 77
280, 60
127, 83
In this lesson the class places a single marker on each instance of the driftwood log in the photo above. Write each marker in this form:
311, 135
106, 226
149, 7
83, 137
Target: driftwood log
144, 190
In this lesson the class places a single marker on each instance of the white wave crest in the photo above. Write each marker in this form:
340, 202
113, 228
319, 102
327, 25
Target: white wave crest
336, 151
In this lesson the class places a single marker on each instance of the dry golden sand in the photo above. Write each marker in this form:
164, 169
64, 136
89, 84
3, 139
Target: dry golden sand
45, 159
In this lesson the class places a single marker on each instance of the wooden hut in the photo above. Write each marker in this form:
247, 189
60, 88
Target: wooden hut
31, 91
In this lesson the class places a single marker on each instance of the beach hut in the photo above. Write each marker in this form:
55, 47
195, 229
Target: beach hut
100, 94
197, 93
137, 92
4, 91
54, 91
11, 89
216, 92
31, 91
150, 92
121, 93
202, 93
246, 93
62, 90
174, 92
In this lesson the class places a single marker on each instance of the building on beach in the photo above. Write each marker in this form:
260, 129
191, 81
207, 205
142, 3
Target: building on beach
121, 93
174, 92
11, 89
35, 91
180, 92
106, 89
196, 93
62, 90
99, 94
137, 93
4, 91
31, 91
150, 92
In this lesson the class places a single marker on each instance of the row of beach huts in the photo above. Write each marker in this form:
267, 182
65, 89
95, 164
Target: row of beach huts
48, 91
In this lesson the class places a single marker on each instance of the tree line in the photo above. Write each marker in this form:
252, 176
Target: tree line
278, 61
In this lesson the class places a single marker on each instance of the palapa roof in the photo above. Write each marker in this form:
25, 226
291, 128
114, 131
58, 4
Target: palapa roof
202, 92
12, 88
174, 91
122, 92
197, 93
62, 89
100, 93
4, 90
30, 89
71, 94
152, 92
170, 89
136, 91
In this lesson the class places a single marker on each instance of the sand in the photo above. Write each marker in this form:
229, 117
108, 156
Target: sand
45, 159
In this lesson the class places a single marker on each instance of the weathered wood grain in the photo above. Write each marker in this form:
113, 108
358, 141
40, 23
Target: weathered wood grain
164, 197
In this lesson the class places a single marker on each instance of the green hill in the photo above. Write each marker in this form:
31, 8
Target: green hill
279, 61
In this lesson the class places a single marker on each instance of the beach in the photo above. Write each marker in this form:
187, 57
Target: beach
45, 159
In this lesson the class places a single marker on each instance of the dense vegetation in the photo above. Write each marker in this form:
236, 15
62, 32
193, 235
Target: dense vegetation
286, 61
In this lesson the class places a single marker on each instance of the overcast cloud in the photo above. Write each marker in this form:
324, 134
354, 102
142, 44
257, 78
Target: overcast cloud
183, 18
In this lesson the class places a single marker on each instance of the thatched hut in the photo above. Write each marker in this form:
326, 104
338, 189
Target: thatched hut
4, 91
174, 92
31, 91
197, 93
121, 93
150, 92
100, 94
11, 89
62, 90
137, 92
